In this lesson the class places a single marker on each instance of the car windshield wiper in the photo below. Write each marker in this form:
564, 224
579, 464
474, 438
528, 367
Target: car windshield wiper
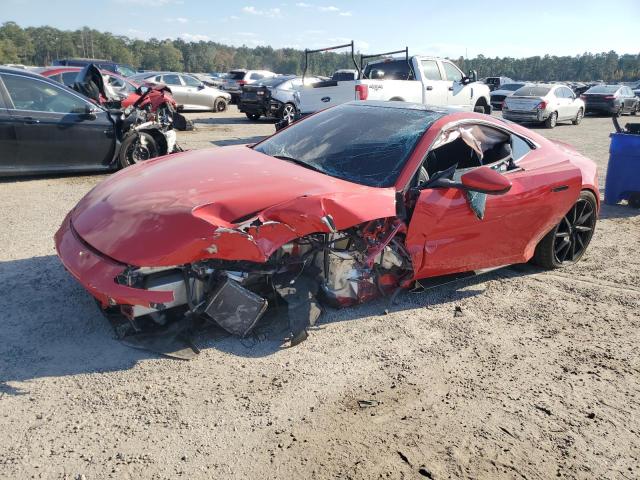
298, 162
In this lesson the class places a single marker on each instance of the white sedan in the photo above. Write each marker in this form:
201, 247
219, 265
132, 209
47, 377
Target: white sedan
544, 103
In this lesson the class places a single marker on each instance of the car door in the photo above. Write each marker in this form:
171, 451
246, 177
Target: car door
445, 236
179, 91
197, 93
457, 93
435, 87
56, 128
8, 141
566, 108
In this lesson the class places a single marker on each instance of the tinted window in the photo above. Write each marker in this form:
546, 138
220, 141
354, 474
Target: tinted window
256, 76
69, 78
607, 89
512, 87
363, 144
274, 81
190, 81
343, 76
391, 69
452, 72
35, 95
430, 70
532, 91
519, 147
236, 75
171, 80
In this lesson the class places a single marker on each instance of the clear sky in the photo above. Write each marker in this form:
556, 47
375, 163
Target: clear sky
445, 28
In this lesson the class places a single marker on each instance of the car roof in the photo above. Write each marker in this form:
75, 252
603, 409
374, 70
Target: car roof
22, 71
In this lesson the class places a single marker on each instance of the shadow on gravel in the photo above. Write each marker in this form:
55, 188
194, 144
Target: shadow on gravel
51, 327
238, 140
617, 211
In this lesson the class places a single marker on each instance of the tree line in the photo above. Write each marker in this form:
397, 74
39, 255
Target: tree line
42, 45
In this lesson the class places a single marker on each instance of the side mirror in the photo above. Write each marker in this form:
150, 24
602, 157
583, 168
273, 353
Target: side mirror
485, 180
472, 76
201, 86
465, 81
481, 180
89, 112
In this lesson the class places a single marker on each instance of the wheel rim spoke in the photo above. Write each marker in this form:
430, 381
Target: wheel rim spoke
574, 231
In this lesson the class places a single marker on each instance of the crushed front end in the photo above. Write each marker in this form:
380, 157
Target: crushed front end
158, 308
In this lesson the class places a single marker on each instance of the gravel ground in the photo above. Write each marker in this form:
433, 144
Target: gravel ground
537, 377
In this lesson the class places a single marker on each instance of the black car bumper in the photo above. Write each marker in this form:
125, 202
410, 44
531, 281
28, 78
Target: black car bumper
269, 107
613, 107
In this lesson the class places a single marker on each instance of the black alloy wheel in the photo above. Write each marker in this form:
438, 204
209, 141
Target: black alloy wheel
566, 243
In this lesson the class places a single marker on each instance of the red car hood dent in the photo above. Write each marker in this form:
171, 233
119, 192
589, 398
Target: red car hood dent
183, 208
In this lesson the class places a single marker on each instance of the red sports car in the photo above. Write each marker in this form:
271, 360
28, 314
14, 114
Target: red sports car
351, 203
125, 88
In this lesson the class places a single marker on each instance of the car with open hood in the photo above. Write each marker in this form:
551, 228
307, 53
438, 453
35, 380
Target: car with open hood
46, 127
354, 202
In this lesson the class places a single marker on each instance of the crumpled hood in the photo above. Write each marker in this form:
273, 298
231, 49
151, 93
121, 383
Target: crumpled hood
186, 207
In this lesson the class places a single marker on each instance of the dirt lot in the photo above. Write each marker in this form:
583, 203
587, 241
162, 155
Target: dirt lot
538, 378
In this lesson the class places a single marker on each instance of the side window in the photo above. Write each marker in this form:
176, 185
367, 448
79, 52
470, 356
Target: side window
69, 78
256, 76
452, 72
57, 77
171, 80
519, 148
430, 70
559, 93
37, 96
115, 82
190, 81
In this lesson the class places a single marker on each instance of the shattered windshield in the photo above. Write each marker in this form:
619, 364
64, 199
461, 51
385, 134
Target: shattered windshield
368, 145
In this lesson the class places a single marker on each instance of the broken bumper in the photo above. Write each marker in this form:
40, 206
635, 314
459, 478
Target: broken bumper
97, 273
533, 116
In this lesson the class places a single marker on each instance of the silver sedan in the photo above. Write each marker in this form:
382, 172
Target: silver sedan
540, 103
189, 92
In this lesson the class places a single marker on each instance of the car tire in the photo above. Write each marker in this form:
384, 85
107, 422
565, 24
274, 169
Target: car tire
579, 117
552, 120
479, 108
253, 116
566, 243
137, 148
219, 105
288, 113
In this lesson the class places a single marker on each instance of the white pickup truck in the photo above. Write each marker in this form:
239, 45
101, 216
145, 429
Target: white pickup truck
419, 79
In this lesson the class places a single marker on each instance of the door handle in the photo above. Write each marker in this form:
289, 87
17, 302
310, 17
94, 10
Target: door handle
429, 87
451, 89
30, 121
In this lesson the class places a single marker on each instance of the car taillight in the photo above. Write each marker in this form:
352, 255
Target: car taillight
242, 82
542, 105
362, 92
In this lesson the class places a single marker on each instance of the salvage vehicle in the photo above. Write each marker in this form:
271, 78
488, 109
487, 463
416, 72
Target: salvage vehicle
506, 90
358, 201
188, 91
115, 67
159, 96
46, 127
420, 79
272, 97
611, 99
235, 79
543, 103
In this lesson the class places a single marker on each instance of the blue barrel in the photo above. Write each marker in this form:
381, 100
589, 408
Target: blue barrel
623, 171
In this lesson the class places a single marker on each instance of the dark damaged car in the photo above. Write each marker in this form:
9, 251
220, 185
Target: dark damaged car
352, 203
